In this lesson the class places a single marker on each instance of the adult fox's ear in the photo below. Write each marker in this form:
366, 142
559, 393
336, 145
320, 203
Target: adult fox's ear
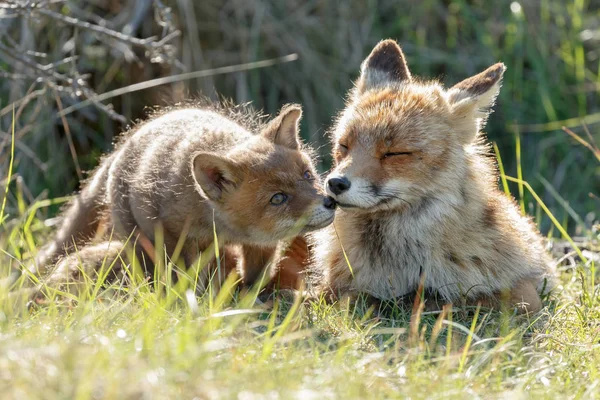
479, 91
214, 174
472, 99
283, 130
385, 65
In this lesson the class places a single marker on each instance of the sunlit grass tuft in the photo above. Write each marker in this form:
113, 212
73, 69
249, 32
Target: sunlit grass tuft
130, 341
10, 169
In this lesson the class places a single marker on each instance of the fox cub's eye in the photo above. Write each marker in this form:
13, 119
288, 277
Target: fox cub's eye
400, 153
308, 175
278, 199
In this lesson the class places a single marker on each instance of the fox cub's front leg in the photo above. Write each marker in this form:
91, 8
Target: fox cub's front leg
283, 266
291, 267
255, 260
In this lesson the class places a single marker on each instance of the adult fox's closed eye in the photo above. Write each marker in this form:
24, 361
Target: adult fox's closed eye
419, 197
184, 170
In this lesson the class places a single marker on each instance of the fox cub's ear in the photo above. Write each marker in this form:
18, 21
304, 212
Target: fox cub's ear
386, 64
214, 174
477, 93
283, 130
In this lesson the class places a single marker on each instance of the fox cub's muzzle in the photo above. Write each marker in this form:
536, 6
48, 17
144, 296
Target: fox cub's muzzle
321, 214
329, 203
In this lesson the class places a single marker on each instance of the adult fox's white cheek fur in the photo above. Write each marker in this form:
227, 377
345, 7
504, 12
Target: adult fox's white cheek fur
351, 192
363, 194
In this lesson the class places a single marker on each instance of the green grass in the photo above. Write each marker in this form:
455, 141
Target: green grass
141, 344
161, 341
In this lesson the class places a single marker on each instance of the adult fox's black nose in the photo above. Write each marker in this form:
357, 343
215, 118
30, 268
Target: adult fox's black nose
338, 185
329, 203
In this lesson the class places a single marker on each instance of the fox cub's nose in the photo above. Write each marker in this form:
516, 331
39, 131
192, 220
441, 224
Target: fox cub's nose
329, 203
338, 185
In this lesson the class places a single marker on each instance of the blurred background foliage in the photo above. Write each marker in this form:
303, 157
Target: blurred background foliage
55, 54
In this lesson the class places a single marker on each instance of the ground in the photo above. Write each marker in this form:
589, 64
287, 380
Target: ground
141, 343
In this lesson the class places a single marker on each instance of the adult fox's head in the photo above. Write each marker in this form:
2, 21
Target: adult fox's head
266, 188
400, 139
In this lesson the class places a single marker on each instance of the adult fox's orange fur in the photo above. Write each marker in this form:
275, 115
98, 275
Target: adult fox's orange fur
184, 170
419, 196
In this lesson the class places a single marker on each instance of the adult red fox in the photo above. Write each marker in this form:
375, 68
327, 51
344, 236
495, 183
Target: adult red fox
419, 196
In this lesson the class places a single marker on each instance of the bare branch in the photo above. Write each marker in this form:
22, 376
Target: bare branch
28, 5
77, 85
176, 78
158, 50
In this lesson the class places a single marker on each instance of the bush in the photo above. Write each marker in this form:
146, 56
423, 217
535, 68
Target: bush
51, 62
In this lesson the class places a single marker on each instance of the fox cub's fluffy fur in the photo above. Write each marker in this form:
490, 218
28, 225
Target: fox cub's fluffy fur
419, 197
183, 170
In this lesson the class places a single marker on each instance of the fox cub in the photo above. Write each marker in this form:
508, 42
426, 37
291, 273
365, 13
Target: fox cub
183, 170
419, 197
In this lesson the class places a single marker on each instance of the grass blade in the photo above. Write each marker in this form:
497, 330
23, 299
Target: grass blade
10, 167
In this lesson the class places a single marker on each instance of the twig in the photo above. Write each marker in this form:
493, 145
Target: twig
9, 75
589, 135
34, 65
180, 77
589, 119
78, 85
157, 50
578, 138
28, 5
61, 62
150, 44
69, 136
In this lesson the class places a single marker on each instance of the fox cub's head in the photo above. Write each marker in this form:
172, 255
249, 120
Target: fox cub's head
266, 189
399, 138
